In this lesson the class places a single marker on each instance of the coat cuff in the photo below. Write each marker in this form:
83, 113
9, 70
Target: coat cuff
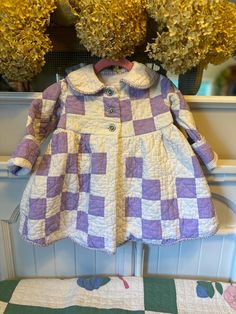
206, 154
24, 157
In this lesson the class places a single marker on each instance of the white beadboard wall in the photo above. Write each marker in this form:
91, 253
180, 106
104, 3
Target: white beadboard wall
207, 258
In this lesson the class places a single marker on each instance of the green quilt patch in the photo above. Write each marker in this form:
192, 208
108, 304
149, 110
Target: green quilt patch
23, 309
160, 295
7, 288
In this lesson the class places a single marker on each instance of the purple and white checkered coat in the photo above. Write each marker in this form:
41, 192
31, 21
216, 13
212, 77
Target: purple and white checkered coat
116, 167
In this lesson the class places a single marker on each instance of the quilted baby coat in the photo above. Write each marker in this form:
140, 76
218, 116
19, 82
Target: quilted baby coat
116, 168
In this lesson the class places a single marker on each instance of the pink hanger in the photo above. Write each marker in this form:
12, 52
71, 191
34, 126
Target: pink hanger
105, 63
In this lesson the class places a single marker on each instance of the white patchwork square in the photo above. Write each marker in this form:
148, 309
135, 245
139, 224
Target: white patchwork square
47, 108
207, 226
188, 208
58, 164
71, 183
155, 90
151, 209
84, 163
38, 187
3, 306
100, 184
134, 227
73, 142
97, 226
74, 121
162, 119
53, 205
141, 109
68, 219
188, 301
94, 106
170, 229
36, 229
202, 188
127, 128
187, 117
133, 187
61, 293
83, 201
168, 188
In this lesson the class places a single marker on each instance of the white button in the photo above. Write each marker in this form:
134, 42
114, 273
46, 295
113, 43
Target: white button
111, 110
112, 127
109, 91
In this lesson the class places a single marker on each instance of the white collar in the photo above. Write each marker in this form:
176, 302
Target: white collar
85, 80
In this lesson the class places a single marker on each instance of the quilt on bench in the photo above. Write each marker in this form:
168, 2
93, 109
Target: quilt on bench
115, 295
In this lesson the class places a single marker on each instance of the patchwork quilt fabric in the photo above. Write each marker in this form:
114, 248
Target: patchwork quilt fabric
116, 168
116, 295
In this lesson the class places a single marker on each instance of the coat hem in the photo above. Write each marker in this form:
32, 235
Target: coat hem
144, 241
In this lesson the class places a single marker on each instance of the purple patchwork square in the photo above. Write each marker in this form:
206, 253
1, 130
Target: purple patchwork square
52, 92
198, 173
151, 229
169, 209
25, 227
151, 190
75, 105
62, 122
183, 103
205, 153
111, 107
194, 135
125, 110
69, 201
35, 109
166, 87
99, 163
168, 241
175, 112
30, 129
82, 221
134, 167
52, 224
27, 149
133, 207
37, 208
205, 207
59, 143
84, 144
137, 93
144, 126
188, 228
44, 166
54, 186
186, 188
40, 241
158, 105
84, 182
96, 205
72, 163
96, 242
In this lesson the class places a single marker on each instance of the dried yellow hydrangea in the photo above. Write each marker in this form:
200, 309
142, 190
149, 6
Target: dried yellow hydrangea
223, 45
75, 5
23, 43
190, 32
111, 28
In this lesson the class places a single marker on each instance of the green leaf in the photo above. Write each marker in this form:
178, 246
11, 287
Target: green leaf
219, 287
208, 286
105, 280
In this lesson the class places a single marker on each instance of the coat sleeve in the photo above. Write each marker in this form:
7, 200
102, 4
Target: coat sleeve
183, 116
41, 121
